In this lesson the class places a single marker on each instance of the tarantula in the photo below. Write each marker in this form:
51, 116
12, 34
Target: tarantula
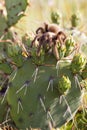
49, 35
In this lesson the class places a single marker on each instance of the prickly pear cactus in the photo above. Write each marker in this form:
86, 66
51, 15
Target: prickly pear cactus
35, 99
3, 24
55, 17
78, 63
75, 20
15, 10
41, 91
3, 110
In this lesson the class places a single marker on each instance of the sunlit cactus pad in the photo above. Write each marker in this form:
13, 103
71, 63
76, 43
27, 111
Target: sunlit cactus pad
15, 9
34, 98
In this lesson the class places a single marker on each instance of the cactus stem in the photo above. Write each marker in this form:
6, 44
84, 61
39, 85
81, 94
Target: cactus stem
5, 94
50, 84
77, 82
42, 103
50, 116
35, 74
8, 111
24, 86
19, 106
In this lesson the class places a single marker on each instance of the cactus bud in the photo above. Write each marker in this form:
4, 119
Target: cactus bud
64, 84
61, 50
69, 45
55, 17
78, 63
38, 60
75, 20
13, 50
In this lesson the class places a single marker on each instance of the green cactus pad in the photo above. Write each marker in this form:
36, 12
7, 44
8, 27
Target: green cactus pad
15, 10
3, 109
40, 104
5, 67
3, 24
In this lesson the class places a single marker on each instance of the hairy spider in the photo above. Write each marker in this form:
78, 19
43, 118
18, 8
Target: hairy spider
49, 36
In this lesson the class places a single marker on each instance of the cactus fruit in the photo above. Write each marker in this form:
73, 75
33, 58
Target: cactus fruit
62, 51
78, 63
64, 84
75, 20
55, 17
70, 44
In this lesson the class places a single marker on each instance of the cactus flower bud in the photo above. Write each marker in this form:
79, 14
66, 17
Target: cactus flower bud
78, 63
69, 45
75, 20
38, 60
64, 84
55, 17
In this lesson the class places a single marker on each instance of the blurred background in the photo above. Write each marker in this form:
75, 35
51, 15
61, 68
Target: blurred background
39, 11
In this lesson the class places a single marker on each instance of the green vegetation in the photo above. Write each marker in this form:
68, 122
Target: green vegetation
43, 76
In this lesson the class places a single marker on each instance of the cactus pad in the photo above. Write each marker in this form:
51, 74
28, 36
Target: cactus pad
15, 10
35, 100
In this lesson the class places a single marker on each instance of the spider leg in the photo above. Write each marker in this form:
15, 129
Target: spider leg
55, 51
60, 40
46, 27
40, 30
33, 42
40, 45
39, 48
62, 35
